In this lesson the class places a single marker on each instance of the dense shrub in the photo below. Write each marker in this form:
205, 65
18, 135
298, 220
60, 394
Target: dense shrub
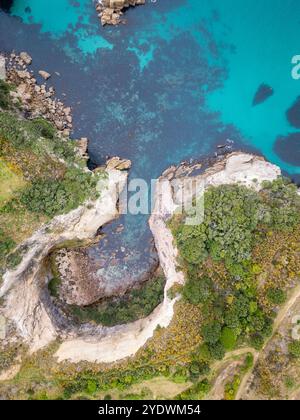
196, 392
6, 245
228, 338
198, 290
5, 101
217, 350
283, 204
232, 215
235, 219
43, 128
197, 369
294, 348
276, 296
212, 332
26, 134
53, 197
257, 341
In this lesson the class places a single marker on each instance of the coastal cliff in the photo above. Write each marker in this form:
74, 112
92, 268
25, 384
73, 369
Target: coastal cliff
123, 341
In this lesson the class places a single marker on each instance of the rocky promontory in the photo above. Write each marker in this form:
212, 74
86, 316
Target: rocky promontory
110, 12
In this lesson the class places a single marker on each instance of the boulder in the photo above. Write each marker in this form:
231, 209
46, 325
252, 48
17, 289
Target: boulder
26, 58
118, 163
44, 74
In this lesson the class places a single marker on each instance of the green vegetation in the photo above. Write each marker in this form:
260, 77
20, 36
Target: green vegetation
197, 392
232, 387
6, 245
276, 296
136, 304
5, 101
38, 136
53, 286
233, 214
41, 176
248, 363
228, 338
221, 273
294, 348
53, 197
10, 181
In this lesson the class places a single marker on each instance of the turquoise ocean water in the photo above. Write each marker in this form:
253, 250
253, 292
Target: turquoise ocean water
173, 83
255, 39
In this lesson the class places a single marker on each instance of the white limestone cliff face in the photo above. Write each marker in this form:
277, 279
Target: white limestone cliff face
22, 288
123, 341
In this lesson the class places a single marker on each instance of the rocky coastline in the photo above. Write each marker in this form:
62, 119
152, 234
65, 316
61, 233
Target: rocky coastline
110, 12
36, 99
28, 308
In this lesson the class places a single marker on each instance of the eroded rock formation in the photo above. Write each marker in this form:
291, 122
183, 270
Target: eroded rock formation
111, 11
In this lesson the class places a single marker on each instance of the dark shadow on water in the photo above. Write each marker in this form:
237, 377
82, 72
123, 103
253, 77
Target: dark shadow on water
6, 5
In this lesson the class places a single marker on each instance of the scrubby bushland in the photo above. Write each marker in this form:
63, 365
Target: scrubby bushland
294, 348
233, 214
52, 197
220, 271
38, 135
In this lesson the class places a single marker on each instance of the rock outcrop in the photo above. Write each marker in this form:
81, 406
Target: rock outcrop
110, 12
36, 100
2, 68
24, 56
118, 163
44, 74
82, 146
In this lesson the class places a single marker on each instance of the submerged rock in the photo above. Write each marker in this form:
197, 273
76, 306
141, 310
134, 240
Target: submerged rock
293, 114
262, 94
288, 148
44, 74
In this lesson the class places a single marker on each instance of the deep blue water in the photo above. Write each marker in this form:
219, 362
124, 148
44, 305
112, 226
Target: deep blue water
178, 79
